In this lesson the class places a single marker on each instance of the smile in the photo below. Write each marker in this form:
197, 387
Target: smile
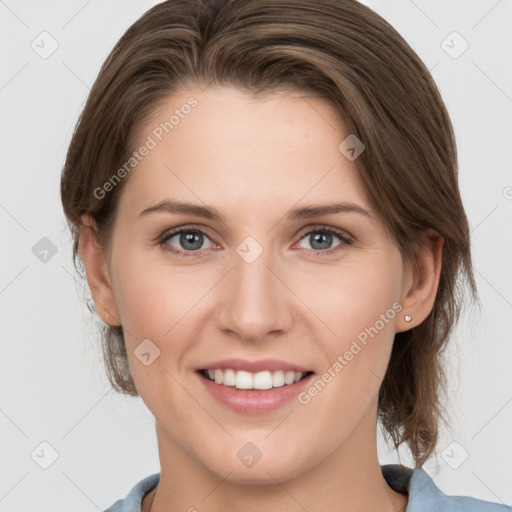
242, 379
253, 392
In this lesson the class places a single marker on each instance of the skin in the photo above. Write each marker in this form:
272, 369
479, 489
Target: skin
254, 160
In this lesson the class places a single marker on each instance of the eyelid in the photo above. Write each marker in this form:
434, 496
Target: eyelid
330, 229
186, 227
345, 237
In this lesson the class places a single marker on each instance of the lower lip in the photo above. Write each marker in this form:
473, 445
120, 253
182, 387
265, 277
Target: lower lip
254, 401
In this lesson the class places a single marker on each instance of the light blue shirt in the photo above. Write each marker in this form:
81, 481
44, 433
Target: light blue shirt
424, 495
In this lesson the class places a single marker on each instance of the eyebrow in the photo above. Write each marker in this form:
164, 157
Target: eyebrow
207, 212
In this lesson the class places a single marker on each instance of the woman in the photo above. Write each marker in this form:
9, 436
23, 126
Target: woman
264, 198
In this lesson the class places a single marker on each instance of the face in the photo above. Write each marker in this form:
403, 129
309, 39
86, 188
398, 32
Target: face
270, 281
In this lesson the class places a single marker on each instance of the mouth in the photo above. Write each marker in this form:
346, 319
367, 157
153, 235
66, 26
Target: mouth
253, 381
253, 386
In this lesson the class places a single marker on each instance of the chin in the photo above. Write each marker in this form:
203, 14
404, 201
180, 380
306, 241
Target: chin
263, 472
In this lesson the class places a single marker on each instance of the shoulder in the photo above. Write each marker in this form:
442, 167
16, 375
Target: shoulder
425, 496
133, 500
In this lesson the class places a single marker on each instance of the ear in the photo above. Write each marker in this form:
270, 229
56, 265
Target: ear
421, 282
98, 278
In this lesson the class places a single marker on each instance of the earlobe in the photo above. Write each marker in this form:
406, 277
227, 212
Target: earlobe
420, 288
93, 257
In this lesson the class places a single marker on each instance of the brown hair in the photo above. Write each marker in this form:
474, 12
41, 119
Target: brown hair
339, 50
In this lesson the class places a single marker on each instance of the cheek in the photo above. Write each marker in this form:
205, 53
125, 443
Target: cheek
352, 297
152, 296
359, 303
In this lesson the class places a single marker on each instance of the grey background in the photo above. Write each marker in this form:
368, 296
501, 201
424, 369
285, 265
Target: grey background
53, 388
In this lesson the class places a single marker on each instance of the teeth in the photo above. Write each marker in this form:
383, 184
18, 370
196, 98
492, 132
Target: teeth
229, 378
289, 377
260, 380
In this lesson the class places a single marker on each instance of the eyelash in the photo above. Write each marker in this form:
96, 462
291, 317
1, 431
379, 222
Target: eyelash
162, 239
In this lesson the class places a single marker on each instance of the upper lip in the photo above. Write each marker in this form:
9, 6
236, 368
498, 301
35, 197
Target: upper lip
253, 366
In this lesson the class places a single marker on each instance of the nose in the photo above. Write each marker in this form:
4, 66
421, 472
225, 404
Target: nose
254, 302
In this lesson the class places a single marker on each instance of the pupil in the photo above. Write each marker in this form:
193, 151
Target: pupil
187, 238
318, 236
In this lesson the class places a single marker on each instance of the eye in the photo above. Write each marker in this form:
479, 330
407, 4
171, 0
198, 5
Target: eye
321, 240
187, 240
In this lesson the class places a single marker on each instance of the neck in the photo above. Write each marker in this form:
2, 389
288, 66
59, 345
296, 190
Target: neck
349, 479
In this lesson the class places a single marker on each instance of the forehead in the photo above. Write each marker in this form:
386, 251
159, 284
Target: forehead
223, 144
